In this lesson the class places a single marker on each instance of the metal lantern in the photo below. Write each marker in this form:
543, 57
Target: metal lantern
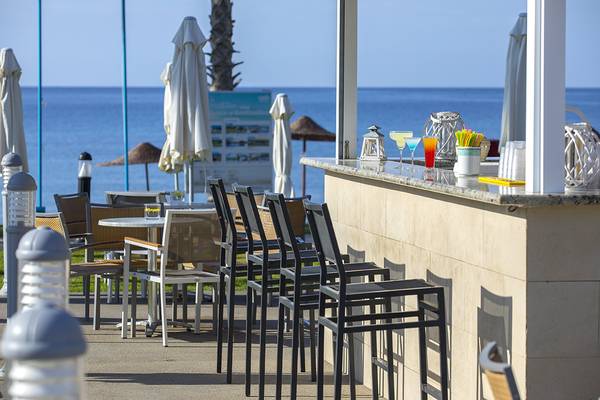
84, 173
442, 125
582, 158
372, 147
20, 218
43, 347
11, 164
43, 256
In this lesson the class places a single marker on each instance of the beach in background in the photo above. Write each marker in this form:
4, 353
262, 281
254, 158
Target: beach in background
89, 119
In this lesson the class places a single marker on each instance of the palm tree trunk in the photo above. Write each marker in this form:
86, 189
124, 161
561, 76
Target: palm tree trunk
221, 41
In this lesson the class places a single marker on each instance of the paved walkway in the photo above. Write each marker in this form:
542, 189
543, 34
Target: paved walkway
141, 368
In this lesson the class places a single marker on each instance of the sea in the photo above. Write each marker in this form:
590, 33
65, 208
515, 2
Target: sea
90, 119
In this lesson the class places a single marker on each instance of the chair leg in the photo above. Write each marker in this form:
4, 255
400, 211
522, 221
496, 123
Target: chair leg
197, 307
422, 348
390, 354
163, 305
351, 361
125, 292
184, 303
443, 344
249, 302
263, 341
214, 306
86, 297
230, 326
97, 301
117, 290
133, 305
374, 369
220, 306
175, 290
339, 351
302, 344
311, 330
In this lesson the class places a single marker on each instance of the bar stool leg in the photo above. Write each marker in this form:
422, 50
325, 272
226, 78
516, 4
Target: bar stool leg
296, 317
220, 306
175, 290
443, 344
320, 350
230, 324
280, 324
249, 295
422, 348
313, 361
263, 340
390, 352
184, 303
302, 344
133, 305
339, 350
374, 368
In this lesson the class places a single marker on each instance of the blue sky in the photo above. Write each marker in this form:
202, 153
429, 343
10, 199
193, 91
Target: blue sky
292, 42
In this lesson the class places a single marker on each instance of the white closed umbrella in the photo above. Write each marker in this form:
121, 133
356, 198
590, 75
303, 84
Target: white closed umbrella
513, 108
282, 111
189, 130
12, 134
165, 163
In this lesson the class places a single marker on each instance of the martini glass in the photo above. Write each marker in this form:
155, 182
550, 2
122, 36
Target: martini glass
399, 137
412, 144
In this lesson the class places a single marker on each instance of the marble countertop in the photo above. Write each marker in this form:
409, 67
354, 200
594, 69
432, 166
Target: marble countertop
445, 182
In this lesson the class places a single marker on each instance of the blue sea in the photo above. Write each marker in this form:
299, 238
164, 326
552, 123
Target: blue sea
89, 119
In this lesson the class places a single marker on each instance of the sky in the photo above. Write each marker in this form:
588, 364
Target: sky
283, 43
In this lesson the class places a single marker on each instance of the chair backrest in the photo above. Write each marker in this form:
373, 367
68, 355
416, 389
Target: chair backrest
282, 224
75, 209
324, 238
111, 236
134, 198
295, 209
499, 374
224, 214
53, 221
259, 197
189, 237
250, 215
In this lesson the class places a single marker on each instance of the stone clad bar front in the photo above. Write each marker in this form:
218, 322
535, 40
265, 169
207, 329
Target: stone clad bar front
521, 270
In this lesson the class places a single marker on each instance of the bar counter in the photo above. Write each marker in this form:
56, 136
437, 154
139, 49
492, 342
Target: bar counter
519, 269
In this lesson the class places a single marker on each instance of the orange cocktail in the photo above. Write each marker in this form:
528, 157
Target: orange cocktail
429, 146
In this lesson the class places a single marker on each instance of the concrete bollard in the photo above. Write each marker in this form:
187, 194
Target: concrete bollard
84, 174
11, 164
43, 256
43, 347
20, 218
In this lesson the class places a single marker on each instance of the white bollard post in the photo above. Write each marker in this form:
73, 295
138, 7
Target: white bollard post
43, 256
11, 164
20, 219
43, 346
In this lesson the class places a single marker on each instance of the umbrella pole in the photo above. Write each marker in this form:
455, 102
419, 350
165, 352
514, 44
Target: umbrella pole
191, 181
147, 178
303, 169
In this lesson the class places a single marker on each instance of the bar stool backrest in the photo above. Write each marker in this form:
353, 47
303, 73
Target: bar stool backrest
499, 374
224, 214
282, 224
250, 215
326, 243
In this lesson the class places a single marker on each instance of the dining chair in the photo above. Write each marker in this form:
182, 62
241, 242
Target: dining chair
499, 374
188, 245
96, 268
343, 293
263, 263
134, 198
304, 295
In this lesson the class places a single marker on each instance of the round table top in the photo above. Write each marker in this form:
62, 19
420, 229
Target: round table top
132, 222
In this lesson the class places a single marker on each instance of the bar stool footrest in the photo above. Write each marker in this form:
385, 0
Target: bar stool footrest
431, 391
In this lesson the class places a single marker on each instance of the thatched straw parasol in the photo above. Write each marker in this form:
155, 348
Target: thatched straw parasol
305, 129
144, 153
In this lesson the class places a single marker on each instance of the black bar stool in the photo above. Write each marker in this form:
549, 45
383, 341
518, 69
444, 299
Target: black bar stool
305, 295
344, 292
262, 265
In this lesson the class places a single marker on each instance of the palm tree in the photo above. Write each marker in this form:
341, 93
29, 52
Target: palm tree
221, 65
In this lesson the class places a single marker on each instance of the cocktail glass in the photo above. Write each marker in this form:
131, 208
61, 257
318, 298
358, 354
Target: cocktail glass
429, 146
399, 137
412, 144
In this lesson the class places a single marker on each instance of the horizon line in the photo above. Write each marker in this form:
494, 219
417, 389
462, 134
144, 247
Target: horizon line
294, 87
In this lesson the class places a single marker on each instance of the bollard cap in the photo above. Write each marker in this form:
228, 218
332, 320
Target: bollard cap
43, 332
21, 182
12, 160
43, 244
85, 156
